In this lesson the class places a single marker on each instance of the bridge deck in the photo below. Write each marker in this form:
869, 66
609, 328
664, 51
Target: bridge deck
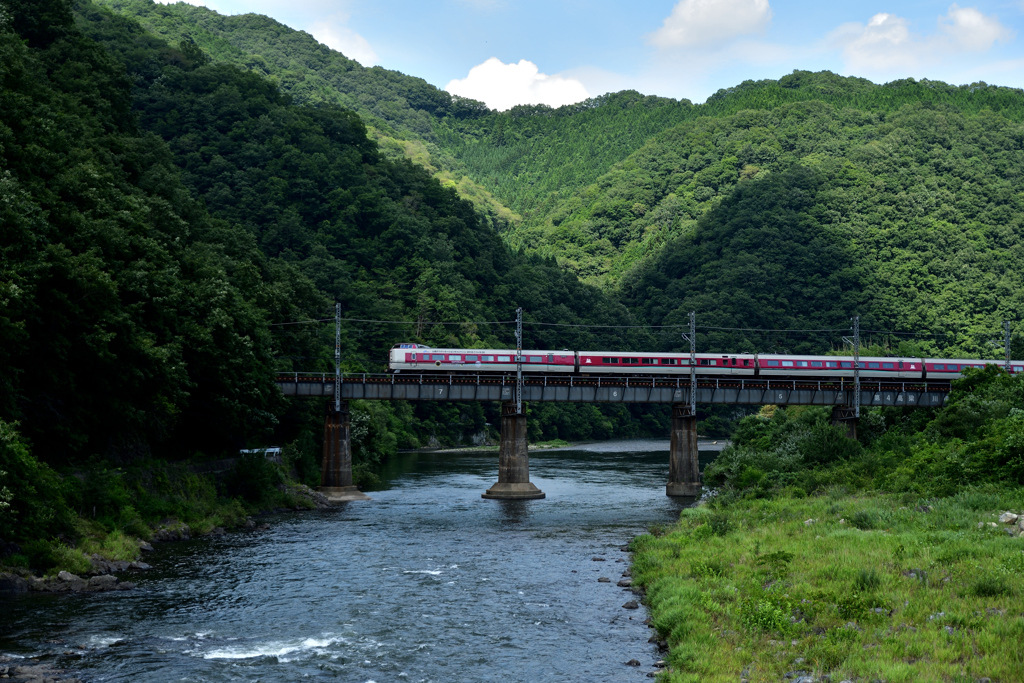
632, 389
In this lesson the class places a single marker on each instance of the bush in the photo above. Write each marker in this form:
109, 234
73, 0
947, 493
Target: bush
864, 520
763, 615
35, 496
70, 559
719, 524
867, 580
254, 478
991, 587
707, 569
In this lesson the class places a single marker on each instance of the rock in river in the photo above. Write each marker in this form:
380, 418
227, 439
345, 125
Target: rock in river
631, 605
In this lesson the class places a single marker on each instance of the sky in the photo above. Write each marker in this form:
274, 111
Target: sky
509, 52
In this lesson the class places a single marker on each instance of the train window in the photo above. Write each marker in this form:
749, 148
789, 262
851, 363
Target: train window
536, 359
438, 356
455, 357
646, 361
831, 364
609, 360
668, 361
504, 359
939, 366
815, 363
801, 364
551, 358
872, 366
631, 361
888, 366
746, 361
471, 359
487, 359
772, 363
703, 361
847, 364
787, 363
1018, 368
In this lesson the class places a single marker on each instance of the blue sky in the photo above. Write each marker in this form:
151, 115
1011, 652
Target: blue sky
509, 52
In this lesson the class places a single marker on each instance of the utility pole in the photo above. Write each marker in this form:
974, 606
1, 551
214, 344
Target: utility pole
519, 361
1006, 343
856, 366
692, 338
337, 357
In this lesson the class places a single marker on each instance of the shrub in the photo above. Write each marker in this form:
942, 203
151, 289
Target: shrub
707, 569
254, 478
775, 564
69, 559
867, 580
990, 587
864, 520
852, 606
719, 524
763, 615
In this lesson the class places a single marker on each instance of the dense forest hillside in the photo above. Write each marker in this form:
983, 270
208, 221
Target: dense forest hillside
400, 111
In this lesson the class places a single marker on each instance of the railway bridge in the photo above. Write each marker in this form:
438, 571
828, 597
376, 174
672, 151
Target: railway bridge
513, 460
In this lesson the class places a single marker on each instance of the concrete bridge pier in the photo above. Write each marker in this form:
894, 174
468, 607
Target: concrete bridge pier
336, 468
845, 416
683, 467
513, 460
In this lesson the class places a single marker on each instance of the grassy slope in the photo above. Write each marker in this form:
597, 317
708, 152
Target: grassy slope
921, 596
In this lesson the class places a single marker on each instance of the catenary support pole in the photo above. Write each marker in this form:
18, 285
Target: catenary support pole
1006, 343
513, 459
856, 366
337, 357
519, 361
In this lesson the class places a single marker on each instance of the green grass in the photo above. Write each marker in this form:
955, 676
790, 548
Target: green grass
892, 593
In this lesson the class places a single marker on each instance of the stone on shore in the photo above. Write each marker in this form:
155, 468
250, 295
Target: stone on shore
106, 582
632, 604
1008, 518
625, 583
12, 583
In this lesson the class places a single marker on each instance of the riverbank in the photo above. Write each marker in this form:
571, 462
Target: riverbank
840, 588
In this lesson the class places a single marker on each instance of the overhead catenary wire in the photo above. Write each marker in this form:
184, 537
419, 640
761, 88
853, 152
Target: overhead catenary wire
705, 328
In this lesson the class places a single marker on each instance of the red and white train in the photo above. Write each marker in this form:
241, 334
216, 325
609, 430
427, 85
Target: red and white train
419, 358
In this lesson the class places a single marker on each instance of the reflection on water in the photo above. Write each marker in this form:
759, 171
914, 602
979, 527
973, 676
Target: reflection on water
426, 582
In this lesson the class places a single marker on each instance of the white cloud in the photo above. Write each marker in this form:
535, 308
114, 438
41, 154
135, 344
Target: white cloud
971, 29
698, 23
503, 86
886, 44
334, 33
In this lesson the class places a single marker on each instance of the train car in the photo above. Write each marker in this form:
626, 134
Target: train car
952, 368
419, 358
773, 365
622, 363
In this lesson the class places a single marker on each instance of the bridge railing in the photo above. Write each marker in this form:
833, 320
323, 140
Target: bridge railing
613, 389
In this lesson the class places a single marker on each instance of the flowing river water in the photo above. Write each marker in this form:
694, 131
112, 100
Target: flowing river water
426, 582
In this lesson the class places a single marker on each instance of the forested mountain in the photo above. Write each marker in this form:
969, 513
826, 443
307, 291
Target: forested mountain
400, 111
156, 227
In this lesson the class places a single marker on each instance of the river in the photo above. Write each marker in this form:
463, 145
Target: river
426, 582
